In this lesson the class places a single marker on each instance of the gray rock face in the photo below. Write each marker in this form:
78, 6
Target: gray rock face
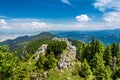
59, 39
42, 50
66, 58
72, 50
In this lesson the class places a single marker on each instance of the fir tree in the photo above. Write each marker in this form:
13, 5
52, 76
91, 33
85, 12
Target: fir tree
85, 71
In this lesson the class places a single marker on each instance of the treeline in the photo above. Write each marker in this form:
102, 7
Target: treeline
99, 62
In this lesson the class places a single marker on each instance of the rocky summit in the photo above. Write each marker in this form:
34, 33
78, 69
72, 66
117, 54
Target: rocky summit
67, 57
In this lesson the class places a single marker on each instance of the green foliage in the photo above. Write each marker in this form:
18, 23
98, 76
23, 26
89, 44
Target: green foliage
62, 75
99, 69
108, 56
88, 52
8, 61
116, 73
34, 45
80, 50
85, 71
51, 61
46, 62
114, 48
26, 56
96, 62
24, 71
4, 48
41, 61
92, 48
75, 42
57, 47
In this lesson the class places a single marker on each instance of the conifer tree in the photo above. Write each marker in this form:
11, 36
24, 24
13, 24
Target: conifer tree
80, 51
114, 49
99, 69
51, 61
108, 56
85, 71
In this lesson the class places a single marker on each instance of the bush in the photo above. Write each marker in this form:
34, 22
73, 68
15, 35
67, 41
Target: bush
57, 47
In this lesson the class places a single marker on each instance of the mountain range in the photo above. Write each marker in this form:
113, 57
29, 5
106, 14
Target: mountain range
106, 36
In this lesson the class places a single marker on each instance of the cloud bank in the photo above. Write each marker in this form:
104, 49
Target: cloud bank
104, 5
4, 24
22, 25
82, 18
111, 12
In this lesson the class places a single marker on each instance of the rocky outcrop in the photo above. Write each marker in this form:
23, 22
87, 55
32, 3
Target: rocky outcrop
60, 39
68, 56
42, 50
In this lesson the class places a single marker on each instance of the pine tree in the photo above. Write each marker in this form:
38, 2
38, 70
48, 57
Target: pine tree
108, 56
99, 69
116, 73
114, 49
85, 71
118, 54
99, 47
79, 51
88, 53
93, 46
51, 61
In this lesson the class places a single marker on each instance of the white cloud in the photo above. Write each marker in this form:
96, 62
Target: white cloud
38, 24
5, 27
8, 36
104, 5
66, 2
4, 24
112, 19
22, 25
112, 16
2, 21
82, 18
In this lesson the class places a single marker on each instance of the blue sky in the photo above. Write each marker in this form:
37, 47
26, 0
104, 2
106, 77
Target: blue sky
27, 16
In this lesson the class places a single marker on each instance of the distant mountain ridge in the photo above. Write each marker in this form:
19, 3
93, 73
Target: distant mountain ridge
28, 38
106, 36
20, 42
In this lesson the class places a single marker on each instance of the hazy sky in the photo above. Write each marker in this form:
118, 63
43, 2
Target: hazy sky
25, 16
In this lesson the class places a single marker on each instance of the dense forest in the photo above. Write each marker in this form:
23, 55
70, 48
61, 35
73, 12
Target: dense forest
94, 61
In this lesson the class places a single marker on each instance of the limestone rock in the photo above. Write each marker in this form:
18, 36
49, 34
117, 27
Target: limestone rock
68, 56
66, 59
42, 49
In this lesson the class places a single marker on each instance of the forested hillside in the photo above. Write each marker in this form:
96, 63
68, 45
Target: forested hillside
19, 43
93, 61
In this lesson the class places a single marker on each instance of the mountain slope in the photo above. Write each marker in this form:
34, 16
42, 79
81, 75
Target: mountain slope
19, 43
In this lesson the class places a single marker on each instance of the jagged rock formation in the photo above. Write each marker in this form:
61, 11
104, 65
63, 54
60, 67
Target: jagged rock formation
67, 57
42, 50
